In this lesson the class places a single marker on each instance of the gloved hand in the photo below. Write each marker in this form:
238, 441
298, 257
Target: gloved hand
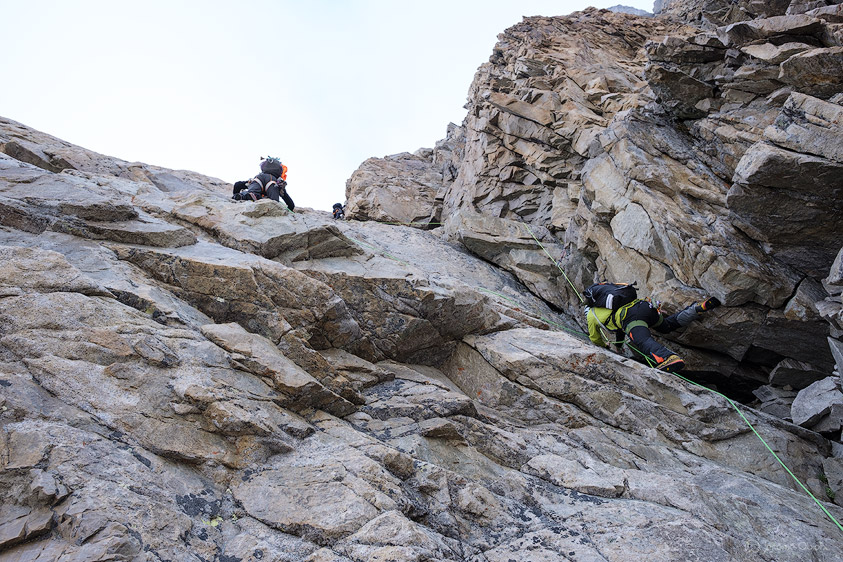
708, 304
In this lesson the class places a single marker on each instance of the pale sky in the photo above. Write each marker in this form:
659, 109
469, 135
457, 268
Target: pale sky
212, 86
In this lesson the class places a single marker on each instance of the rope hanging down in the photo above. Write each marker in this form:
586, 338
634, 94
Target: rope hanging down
729, 400
579, 296
649, 363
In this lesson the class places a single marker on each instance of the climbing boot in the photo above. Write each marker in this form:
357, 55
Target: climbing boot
706, 305
672, 364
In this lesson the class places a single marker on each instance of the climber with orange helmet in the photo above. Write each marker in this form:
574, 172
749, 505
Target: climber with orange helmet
270, 183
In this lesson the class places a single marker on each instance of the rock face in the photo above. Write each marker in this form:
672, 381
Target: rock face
403, 188
699, 155
184, 377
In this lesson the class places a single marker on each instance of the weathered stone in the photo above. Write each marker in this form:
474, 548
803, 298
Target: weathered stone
837, 351
833, 470
700, 260
680, 51
815, 401
315, 502
264, 295
831, 422
391, 536
758, 79
803, 340
803, 305
796, 374
771, 182
400, 188
31, 269
775, 401
774, 54
55, 155
412, 312
679, 92
831, 310
510, 245
262, 358
739, 34
818, 72
717, 12
810, 125
597, 480
19, 524
832, 13
438, 428
265, 228
360, 372
834, 282
132, 426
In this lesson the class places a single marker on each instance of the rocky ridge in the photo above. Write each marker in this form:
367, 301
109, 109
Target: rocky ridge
696, 153
183, 377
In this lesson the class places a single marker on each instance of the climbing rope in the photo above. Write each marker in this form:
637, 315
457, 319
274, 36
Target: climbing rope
579, 296
729, 400
648, 361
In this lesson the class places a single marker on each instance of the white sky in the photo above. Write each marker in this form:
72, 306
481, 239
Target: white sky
212, 86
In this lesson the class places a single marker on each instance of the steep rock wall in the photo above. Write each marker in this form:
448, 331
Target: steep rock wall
185, 377
693, 153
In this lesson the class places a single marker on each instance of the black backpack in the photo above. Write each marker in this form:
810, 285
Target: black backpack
610, 295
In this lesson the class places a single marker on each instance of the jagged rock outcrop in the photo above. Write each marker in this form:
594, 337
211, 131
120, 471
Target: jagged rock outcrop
282, 386
697, 155
403, 188
184, 377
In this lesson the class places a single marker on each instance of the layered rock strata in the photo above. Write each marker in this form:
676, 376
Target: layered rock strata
695, 153
256, 384
184, 377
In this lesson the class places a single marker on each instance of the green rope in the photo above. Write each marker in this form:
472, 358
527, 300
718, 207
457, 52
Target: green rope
555, 263
542, 318
729, 400
772, 452
647, 359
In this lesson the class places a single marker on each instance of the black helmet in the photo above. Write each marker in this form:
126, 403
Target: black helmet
272, 166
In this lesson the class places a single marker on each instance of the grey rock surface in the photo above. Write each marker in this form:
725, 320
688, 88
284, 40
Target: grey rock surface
589, 155
183, 377
815, 401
